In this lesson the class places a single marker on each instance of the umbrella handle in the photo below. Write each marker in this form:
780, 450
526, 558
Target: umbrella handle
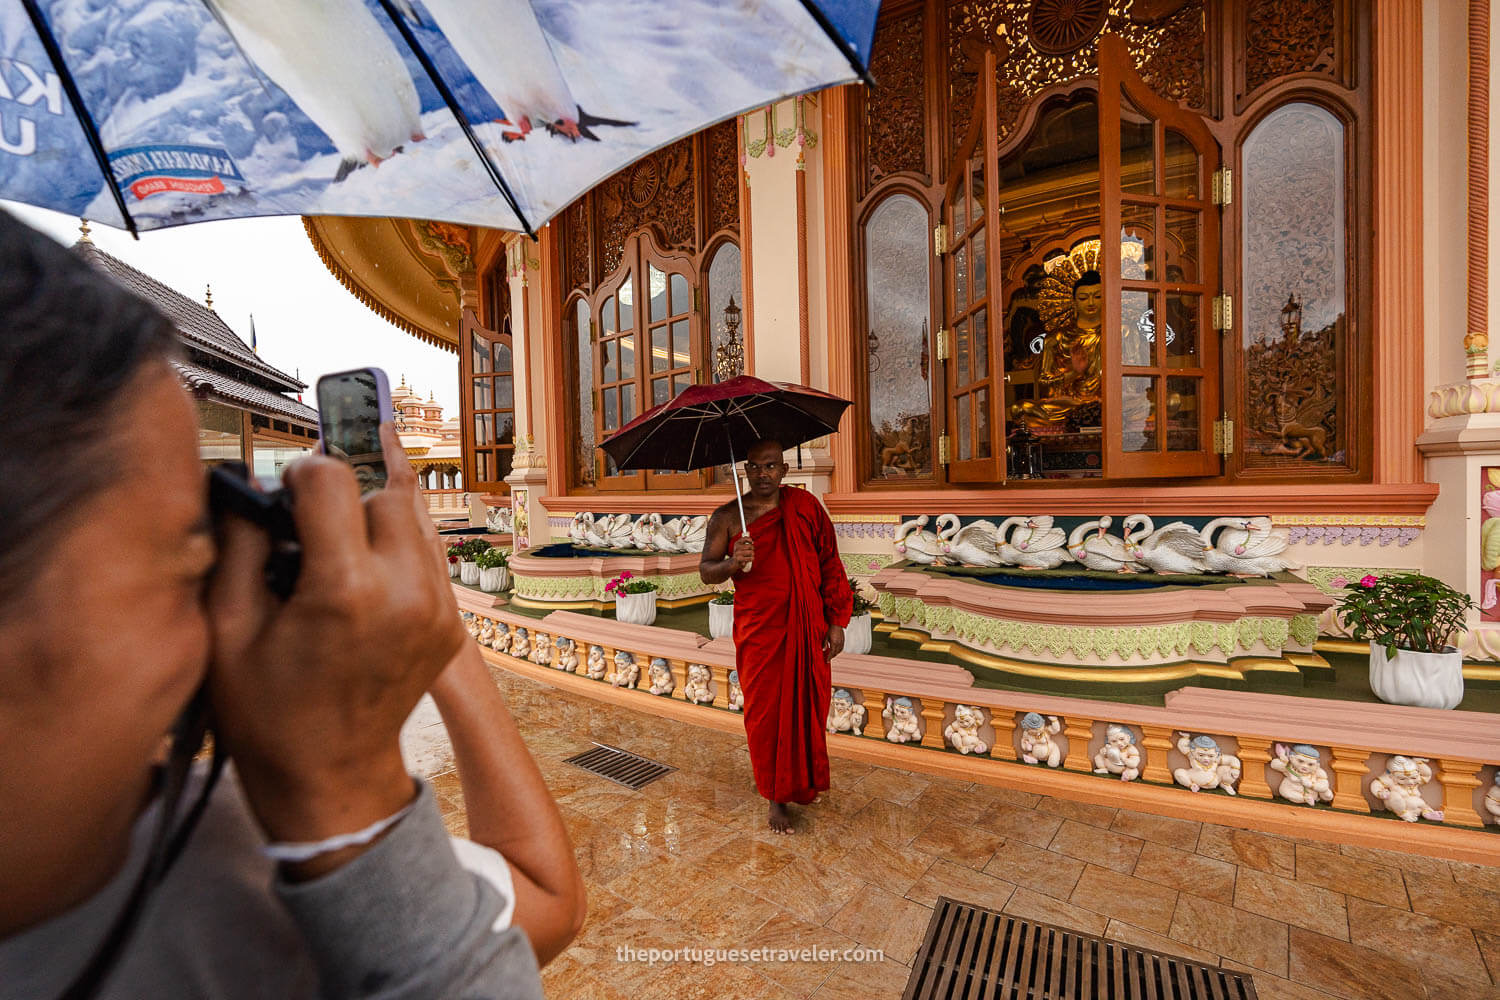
738, 499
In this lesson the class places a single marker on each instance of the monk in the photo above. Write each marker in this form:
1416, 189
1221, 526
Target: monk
791, 604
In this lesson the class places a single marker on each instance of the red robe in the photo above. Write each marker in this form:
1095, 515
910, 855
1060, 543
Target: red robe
795, 590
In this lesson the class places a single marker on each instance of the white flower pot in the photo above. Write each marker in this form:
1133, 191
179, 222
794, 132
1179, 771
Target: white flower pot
857, 636
720, 620
454, 568
636, 609
468, 573
494, 579
1424, 680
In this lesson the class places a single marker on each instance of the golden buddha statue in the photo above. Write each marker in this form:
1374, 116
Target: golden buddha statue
1071, 367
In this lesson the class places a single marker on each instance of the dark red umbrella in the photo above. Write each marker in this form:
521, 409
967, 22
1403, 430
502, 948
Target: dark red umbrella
706, 425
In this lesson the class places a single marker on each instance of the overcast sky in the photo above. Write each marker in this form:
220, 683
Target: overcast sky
304, 319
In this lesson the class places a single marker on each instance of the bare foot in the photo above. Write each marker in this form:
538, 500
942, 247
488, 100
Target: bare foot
779, 819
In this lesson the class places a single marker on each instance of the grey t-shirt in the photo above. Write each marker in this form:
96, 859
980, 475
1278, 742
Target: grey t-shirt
404, 920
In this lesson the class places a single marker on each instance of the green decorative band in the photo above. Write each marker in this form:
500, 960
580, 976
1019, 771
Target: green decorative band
1332, 579
591, 588
865, 563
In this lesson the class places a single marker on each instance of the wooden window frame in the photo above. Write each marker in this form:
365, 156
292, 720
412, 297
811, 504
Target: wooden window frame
470, 330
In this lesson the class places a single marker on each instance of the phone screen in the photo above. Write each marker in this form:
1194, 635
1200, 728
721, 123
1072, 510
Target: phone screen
350, 412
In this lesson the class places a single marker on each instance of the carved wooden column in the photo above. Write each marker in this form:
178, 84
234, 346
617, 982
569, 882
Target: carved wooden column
1349, 767
1477, 340
1156, 741
721, 685
1004, 725
838, 210
1254, 755
1459, 778
679, 678
1079, 732
874, 705
932, 716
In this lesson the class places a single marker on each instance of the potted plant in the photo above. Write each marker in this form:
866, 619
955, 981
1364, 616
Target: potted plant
1409, 620
721, 615
455, 557
494, 570
635, 600
468, 573
858, 635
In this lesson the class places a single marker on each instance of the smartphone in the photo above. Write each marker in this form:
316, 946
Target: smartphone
351, 407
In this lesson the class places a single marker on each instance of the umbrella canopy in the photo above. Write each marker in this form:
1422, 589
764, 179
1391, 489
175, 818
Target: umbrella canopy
499, 113
714, 424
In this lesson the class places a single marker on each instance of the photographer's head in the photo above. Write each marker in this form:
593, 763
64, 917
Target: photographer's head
104, 544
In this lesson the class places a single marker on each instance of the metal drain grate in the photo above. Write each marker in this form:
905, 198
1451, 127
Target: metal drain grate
972, 953
621, 766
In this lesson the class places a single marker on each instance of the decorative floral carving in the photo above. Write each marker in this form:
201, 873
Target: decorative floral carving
722, 160
659, 190
895, 112
1058, 27
575, 226
1288, 36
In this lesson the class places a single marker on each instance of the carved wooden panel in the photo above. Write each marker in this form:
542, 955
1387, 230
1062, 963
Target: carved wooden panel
576, 245
1288, 36
895, 111
722, 163
658, 190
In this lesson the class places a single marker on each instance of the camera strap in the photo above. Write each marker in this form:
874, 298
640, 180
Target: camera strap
188, 734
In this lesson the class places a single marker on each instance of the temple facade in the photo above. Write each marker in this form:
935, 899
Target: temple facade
1192, 260
434, 447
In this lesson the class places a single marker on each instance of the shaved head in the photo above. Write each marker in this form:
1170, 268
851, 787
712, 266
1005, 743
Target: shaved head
764, 450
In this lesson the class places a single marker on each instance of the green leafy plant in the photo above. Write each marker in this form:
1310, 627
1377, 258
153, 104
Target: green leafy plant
491, 558
1404, 611
862, 604
626, 583
455, 552
473, 547
723, 597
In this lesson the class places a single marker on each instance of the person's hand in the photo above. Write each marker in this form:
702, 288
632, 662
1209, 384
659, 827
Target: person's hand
833, 642
309, 695
743, 554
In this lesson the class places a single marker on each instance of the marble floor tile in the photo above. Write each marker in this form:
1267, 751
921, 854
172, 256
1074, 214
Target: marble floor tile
1476, 875
1082, 812
967, 845
1097, 846
1035, 869
1139, 937
1029, 905
966, 885
809, 891
1020, 823
1429, 943
746, 859
1319, 910
669, 829
1248, 850
1433, 867
1328, 868
663, 885
1121, 897
865, 981
1269, 987
1179, 833
889, 822
727, 981
1471, 905
1349, 971
962, 806
786, 933
1244, 937
1000, 796
722, 915
1489, 947
600, 801
895, 869
893, 786
1186, 872
880, 919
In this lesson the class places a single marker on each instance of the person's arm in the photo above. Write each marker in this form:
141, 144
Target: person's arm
717, 563
838, 599
509, 806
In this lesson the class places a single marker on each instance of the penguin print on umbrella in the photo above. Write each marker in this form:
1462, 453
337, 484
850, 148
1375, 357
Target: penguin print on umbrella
300, 46
506, 49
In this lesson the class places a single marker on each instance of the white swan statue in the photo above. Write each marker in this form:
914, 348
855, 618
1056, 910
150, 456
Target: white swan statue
666, 537
1172, 548
617, 531
1099, 550
641, 536
578, 528
1248, 546
692, 533
974, 544
593, 531
1034, 543
916, 543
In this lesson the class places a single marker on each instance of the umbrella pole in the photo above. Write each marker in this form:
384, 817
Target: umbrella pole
738, 498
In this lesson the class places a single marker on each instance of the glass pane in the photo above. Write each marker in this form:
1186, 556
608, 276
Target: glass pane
484, 395
1137, 151
682, 353
965, 440
724, 290
898, 358
661, 390
681, 301
1137, 413
627, 357
484, 429
1137, 325
982, 424
1137, 241
507, 428
660, 349
608, 351
961, 352
658, 282
1183, 396
627, 404
1184, 313
680, 382
483, 467
607, 317
627, 300
1181, 166
583, 434
611, 409
981, 345
1182, 245
481, 353
961, 279
977, 278
503, 458
502, 357
1295, 290
504, 392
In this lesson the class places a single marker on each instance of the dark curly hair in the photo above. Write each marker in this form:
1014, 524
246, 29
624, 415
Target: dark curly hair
71, 341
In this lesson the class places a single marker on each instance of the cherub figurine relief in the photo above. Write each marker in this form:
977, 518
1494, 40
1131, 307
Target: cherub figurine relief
696, 690
626, 671
1400, 789
541, 649
1207, 765
520, 643
1119, 754
845, 715
565, 655
486, 632
596, 668
1037, 744
963, 732
660, 673
1492, 798
736, 696
501, 642
901, 716
471, 623
1306, 783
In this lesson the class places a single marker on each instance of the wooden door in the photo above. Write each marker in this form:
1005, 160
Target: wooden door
488, 411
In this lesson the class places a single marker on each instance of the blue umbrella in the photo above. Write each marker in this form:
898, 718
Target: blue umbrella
149, 113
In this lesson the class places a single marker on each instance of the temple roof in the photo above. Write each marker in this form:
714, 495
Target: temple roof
207, 382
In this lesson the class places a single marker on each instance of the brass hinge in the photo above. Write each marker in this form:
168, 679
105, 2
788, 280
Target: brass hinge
1223, 435
1223, 312
940, 239
944, 457
1223, 186
944, 343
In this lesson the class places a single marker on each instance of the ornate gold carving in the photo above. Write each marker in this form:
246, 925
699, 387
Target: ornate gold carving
1287, 36
452, 244
665, 181
895, 112
1060, 27
722, 162
575, 226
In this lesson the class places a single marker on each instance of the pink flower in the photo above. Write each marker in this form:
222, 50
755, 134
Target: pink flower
452, 558
626, 575
1339, 581
1367, 581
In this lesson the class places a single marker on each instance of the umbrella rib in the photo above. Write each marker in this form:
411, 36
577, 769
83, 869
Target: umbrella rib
453, 109
85, 120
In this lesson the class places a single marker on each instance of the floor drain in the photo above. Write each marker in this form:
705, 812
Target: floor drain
620, 766
973, 952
